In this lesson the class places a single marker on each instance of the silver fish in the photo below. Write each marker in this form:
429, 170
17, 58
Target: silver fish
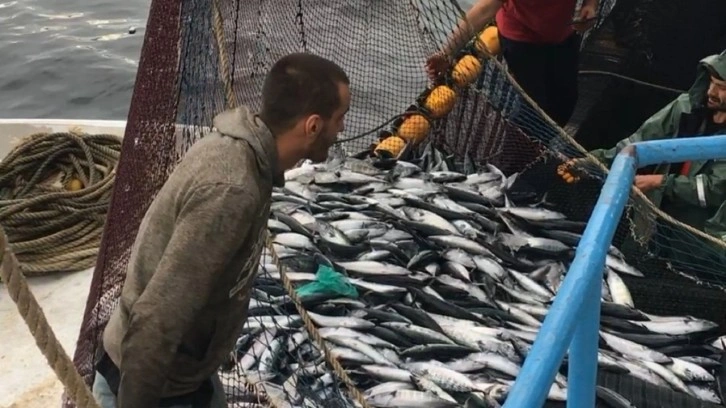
345, 353
410, 399
466, 244
683, 325
457, 270
704, 393
387, 388
430, 218
472, 290
376, 255
634, 350
668, 375
621, 266
445, 378
517, 242
417, 332
329, 332
688, 371
360, 346
331, 234
376, 287
335, 321
294, 240
535, 214
459, 256
466, 229
277, 226
618, 290
373, 268
490, 267
529, 284
387, 373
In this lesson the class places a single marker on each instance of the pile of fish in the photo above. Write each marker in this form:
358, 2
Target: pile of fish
453, 283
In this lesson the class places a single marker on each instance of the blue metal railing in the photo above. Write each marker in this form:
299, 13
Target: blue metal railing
574, 318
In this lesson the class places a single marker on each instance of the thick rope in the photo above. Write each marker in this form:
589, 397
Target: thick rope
35, 319
224, 66
312, 329
55, 189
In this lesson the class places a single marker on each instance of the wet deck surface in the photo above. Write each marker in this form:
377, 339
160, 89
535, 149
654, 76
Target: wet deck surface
27, 380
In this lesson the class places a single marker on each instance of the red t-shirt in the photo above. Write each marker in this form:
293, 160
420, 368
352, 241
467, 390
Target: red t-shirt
536, 21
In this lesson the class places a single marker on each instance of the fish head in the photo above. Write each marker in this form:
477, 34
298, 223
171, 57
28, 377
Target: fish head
412, 213
499, 392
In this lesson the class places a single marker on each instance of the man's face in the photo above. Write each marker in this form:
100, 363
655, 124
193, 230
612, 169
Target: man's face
717, 95
318, 150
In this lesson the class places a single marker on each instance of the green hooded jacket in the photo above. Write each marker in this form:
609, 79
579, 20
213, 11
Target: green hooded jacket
698, 198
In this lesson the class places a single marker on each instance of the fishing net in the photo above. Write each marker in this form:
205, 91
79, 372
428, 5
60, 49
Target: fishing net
200, 56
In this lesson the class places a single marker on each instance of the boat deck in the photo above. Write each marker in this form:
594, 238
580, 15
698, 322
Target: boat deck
26, 380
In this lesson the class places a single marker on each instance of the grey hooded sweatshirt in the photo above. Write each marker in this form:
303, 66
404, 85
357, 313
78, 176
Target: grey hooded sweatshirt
187, 287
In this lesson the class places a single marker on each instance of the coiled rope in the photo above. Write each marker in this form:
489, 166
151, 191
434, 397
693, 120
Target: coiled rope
55, 189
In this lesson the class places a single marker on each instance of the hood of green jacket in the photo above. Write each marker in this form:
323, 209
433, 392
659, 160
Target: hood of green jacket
713, 63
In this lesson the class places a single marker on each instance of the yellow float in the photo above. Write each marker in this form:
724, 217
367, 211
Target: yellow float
466, 70
488, 41
414, 128
390, 146
440, 101
74, 185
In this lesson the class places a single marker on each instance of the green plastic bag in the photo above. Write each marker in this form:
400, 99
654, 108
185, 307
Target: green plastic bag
329, 282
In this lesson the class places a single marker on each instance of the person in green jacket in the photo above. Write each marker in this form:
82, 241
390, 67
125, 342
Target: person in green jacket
692, 192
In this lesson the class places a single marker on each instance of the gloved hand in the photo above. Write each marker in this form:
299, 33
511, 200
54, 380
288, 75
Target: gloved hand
573, 170
436, 65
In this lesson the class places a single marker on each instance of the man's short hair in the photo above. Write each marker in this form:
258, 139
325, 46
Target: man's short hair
299, 85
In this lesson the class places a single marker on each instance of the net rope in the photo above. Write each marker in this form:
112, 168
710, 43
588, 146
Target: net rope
382, 45
311, 328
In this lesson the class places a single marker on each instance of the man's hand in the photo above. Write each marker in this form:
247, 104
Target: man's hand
649, 182
436, 65
586, 19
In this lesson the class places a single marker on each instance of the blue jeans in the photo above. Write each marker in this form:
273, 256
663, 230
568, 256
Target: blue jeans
106, 398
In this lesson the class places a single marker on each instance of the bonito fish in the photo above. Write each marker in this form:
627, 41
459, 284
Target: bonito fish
453, 280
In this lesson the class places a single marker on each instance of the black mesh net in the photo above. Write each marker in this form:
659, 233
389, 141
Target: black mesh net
381, 46
199, 56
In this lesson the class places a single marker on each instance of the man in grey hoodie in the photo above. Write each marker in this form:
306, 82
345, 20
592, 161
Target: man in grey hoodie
187, 288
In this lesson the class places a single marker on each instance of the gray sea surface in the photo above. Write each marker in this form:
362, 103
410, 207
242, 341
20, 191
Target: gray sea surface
70, 59
77, 59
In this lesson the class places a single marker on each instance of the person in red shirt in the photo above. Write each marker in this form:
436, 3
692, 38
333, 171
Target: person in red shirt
540, 41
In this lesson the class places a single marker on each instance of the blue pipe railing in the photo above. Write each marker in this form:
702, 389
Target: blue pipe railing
574, 318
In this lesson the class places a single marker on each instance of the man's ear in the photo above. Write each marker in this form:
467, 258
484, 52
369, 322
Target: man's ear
313, 126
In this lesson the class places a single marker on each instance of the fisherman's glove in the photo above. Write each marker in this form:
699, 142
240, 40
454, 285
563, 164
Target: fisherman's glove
574, 169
